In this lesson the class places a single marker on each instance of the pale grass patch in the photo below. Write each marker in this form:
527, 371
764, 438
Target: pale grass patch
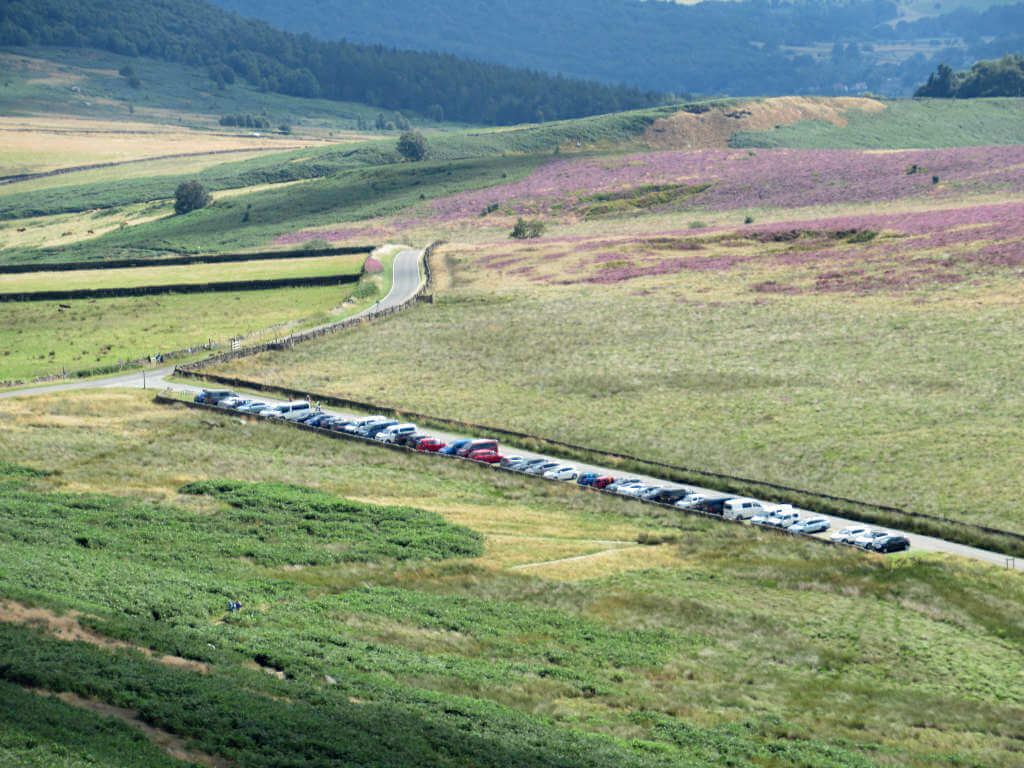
515, 551
607, 563
37, 144
415, 638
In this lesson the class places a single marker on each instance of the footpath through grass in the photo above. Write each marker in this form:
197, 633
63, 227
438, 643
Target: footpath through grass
732, 646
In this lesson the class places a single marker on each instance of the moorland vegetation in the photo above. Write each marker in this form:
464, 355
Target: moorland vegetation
442, 622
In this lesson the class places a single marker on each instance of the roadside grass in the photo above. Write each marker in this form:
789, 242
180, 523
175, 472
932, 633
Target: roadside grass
264, 269
859, 397
905, 123
731, 645
42, 338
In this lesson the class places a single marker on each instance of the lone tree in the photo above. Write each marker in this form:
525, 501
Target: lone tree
412, 145
189, 196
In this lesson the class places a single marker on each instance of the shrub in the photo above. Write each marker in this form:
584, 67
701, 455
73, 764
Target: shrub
412, 146
527, 228
190, 196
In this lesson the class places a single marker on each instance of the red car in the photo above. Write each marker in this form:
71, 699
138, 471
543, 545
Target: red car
601, 482
489, 457
431, 444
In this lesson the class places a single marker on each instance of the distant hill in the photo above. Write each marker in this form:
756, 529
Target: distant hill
193, 32
755, 47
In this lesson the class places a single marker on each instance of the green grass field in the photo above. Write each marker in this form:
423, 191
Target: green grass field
732, 646
41, 338
263, 269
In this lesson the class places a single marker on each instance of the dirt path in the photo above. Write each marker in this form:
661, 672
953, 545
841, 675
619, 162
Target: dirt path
175, 746
67, 627
574, 557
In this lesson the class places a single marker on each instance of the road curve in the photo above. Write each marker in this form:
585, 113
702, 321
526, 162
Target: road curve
404, 285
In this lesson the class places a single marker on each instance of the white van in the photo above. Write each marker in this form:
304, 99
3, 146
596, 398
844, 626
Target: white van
741, 509
288, 411
390, 434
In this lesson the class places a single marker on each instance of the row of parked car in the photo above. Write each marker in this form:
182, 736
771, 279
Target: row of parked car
486, 450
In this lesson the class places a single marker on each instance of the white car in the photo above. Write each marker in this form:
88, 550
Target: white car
564, 472
849, 533
688, 502
865, 540
392, 433
764, 518
358, 424
635, 489
783, 517
811, 525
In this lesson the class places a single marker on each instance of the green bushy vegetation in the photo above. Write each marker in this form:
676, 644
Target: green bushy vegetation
44, 732
720, 649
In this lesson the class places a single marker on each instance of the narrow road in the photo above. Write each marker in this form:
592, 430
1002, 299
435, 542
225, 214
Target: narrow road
404, 284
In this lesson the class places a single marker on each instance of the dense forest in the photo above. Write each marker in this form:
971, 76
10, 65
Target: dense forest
439, 86
1004, 77
755, 47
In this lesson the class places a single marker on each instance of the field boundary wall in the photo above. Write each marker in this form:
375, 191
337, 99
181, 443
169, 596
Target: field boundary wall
177, 261
153, 290
287, 342
163, 399
742, 485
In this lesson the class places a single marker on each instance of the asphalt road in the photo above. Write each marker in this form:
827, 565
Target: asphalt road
405, 283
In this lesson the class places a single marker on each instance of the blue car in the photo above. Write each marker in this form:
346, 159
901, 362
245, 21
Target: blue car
453, 446
588, 478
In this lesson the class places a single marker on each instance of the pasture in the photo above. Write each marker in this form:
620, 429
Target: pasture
731, 645
857, 336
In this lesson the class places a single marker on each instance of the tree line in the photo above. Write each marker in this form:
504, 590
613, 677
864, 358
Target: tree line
196, 33
1003, 77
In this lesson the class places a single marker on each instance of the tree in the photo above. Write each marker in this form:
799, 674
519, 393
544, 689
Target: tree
190, 196
527, 228
412, 146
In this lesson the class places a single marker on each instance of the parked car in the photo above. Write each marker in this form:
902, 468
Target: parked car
390, 434
244, 403
849, 533
741, 509
511, 461
233, 401
292, 411
865, 540
358, 424
783, 516
430, 444
562, 472
371, 430
692, 500
650, 492
341, 424
713, 506
477, 445
454, 445
214, 396
587, 478
670, 495
603, 482
891, 543
528, 465
811, 525
317, 419
253, 406
762, 518
409, 441
622, 482
540, 469
484, 455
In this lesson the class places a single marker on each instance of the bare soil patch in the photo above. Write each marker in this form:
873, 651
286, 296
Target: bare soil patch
714, 128
175, 746
67, 627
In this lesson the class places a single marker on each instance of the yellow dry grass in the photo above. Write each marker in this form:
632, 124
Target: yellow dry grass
605, 562
715, 127
39, 144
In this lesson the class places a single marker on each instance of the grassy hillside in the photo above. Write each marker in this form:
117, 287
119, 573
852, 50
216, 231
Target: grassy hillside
917, 123
773, 324
718, 648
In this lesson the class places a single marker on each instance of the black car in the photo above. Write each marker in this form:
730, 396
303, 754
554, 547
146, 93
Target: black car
670, 495
713, 506
893, 543
410, 440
